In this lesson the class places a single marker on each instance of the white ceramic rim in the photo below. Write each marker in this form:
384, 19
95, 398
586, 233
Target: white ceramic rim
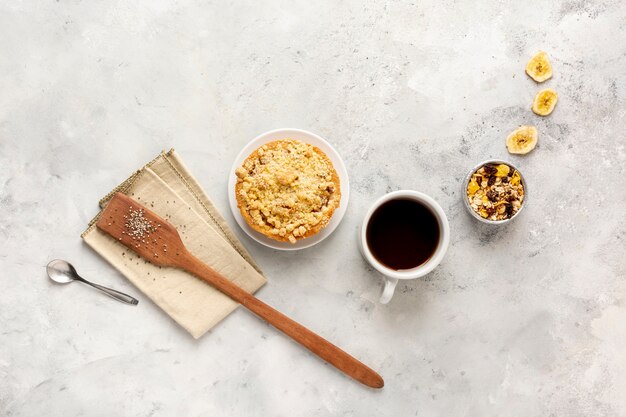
307, 137
442, 247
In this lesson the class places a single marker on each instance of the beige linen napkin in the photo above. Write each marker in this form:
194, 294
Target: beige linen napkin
167, 187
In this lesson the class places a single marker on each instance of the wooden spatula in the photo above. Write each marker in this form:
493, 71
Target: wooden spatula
156, 240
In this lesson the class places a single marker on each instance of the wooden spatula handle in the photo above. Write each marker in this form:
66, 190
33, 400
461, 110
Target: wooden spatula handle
158, 241
316, 344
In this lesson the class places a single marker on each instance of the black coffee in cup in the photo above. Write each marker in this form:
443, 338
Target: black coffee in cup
402, 234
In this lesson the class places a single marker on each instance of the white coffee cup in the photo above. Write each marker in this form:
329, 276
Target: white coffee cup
391, 275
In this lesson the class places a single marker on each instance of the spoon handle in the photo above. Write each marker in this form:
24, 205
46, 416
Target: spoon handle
119, 296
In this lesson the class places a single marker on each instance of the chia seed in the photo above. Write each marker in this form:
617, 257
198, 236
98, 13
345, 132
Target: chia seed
137, 226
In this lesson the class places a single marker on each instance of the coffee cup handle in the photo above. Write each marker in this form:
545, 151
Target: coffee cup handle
390, 287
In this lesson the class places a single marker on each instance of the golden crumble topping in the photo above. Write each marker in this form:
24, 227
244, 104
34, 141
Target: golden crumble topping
287, 190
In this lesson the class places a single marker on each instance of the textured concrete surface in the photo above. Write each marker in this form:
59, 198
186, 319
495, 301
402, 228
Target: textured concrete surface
527, 320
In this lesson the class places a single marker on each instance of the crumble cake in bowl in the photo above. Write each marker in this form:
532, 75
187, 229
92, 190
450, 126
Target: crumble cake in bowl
288, 189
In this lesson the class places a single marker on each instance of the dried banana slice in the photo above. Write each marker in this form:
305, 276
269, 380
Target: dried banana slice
472, 187
503, 170
515, 179
544, 102
522, 140
539, 67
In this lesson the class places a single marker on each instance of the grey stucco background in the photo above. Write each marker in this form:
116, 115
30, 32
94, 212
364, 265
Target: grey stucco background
527, 320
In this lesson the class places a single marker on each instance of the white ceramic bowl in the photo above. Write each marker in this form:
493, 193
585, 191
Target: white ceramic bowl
307, 137
471, 211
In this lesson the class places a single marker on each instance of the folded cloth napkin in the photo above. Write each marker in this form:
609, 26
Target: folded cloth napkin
166, 186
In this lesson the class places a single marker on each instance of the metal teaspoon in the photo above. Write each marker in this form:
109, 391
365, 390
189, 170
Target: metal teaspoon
63, 272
